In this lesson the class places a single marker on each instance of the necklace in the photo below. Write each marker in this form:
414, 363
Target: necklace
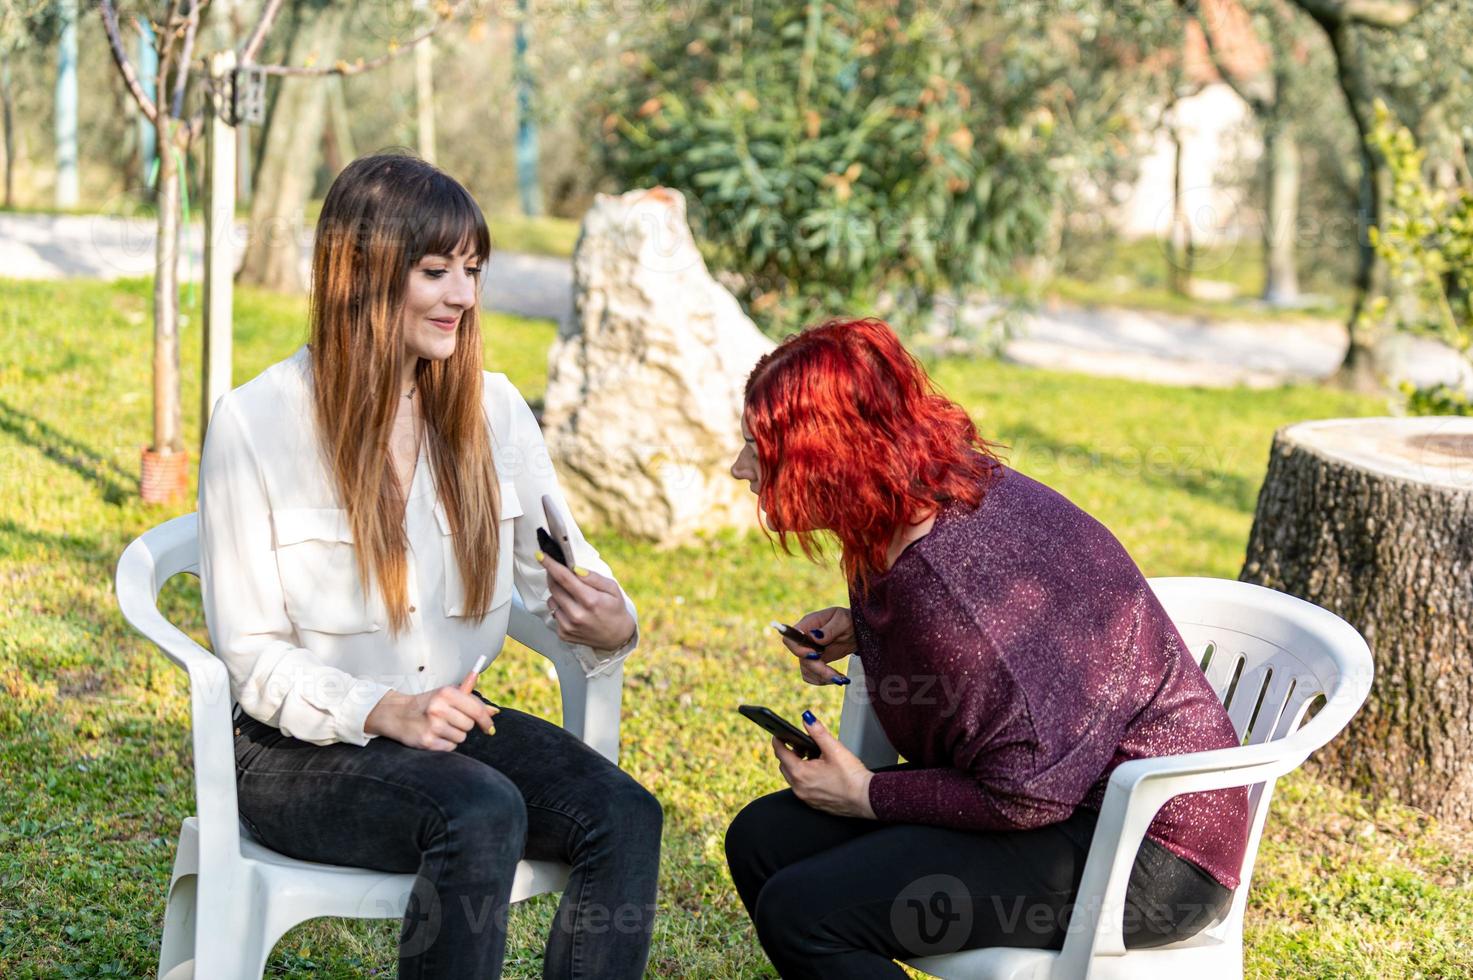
412, 389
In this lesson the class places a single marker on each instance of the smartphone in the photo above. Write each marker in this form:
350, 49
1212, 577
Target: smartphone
797, 635
789, 734
554, 541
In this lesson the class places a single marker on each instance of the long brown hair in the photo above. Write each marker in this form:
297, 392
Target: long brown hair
383, 214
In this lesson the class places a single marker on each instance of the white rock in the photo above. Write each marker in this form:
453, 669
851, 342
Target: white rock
644, 392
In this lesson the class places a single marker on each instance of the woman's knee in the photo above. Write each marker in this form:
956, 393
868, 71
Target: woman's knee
633, 810
483, 813
752, 831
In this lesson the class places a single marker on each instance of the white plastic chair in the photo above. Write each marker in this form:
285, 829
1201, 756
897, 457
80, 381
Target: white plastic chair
1267, 655
230, 897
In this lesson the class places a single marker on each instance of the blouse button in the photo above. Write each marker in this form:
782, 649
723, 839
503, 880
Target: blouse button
421, 668
413, 609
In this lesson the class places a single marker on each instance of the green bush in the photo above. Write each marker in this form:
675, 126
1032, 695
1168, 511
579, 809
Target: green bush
832, 154
1436, 400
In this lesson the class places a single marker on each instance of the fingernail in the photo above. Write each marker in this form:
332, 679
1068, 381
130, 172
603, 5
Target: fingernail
540, 556
809, 718
581, 571
812, 656
817, 633
841, 680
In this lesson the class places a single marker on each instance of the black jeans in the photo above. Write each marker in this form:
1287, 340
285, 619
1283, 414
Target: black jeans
461, 821
840, 897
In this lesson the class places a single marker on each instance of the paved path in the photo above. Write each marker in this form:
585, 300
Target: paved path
1122, 343
96, 247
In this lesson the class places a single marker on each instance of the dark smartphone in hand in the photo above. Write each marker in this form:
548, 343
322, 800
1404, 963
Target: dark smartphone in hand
796, 635
554, 540
789, 734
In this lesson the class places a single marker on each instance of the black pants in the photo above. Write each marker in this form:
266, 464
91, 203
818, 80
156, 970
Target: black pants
461, 821
839, 897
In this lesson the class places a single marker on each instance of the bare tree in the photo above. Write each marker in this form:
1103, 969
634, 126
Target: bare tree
1343, 22
165, 474
1268, 93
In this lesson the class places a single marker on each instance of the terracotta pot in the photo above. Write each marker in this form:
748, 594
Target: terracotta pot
165, 476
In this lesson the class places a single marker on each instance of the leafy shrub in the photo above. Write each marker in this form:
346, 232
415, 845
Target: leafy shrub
832, 154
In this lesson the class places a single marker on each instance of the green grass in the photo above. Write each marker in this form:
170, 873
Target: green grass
94, 723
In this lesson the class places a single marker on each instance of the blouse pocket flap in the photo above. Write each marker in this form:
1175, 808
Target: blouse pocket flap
319, 572
297, 524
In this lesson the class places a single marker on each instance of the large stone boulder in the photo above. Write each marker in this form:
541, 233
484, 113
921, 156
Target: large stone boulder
644, 390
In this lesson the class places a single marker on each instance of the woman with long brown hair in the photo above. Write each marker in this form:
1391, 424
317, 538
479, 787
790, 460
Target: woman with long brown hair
1013, 653
367, 508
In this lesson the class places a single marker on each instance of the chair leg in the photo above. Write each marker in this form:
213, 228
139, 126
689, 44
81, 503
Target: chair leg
180, 913
230, 930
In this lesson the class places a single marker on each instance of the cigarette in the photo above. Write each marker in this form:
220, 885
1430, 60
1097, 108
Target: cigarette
480, 666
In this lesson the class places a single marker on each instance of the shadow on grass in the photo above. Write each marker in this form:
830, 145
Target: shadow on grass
1187, 469
14, 538
115, 485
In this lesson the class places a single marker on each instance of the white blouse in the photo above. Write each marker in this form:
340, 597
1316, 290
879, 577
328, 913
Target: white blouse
306, 650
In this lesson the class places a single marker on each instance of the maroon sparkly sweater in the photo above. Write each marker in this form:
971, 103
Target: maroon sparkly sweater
1015, 656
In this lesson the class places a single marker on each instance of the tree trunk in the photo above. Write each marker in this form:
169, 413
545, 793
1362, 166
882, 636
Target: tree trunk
7, 110
1373, 520
1358, 372
289, 158
1180, 253
1281, 222
167, 424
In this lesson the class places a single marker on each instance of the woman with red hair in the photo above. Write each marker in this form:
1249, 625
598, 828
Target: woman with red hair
1014, 655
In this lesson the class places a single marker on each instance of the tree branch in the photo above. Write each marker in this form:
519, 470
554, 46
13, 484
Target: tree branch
1261, 102
109, 15
167, 39
181, 79
346, 68
248, 51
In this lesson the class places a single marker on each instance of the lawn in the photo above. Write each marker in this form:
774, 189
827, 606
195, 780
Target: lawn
94, 722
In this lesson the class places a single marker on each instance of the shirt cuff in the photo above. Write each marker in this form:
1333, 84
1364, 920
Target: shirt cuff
597, 663
353, 710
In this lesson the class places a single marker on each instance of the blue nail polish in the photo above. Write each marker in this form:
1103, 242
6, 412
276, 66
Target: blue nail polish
812, 656
809, 718
841, 680
817, 633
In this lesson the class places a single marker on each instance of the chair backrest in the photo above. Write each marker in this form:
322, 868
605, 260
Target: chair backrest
1270, 657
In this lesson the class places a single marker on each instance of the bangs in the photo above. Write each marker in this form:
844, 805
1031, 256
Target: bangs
451, 222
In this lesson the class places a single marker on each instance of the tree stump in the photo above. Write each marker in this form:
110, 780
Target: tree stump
1373, 520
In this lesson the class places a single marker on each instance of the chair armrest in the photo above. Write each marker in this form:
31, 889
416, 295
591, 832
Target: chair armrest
1136, 791
209, 697
859, 729
590, 704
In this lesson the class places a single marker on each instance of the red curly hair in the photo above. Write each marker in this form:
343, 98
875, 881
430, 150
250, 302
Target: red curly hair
853, 438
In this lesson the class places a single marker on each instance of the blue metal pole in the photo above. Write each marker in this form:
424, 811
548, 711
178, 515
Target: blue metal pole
66, 107
148, 69
530, 191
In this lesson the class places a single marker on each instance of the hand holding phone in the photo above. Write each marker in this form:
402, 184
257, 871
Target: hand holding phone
554, 541
786, 732
813, 655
